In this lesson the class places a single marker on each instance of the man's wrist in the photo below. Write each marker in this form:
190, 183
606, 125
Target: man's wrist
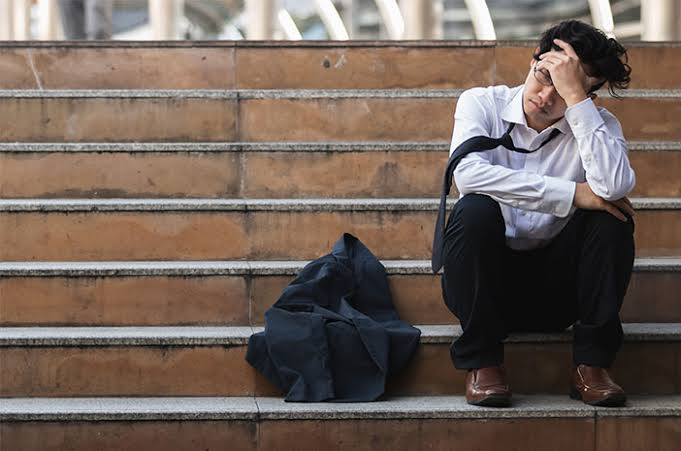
575, 198
574, 99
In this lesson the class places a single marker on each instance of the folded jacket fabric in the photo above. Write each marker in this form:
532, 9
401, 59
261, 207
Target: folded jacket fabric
334, 334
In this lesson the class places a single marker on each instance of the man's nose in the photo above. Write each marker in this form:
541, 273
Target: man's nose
548, 94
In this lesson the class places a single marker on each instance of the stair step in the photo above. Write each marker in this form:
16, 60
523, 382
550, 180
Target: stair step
417, 423
279, 115
230, 336
238, 292
265, 170
254, 229
229, 65
270, 408
210, 361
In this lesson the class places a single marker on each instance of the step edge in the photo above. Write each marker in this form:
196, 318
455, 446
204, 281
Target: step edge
261, 147
269, 408
102, 336
240, 268
253, 94
281, 45
297, 205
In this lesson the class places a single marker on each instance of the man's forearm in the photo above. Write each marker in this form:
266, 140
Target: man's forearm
603, 151
516, 188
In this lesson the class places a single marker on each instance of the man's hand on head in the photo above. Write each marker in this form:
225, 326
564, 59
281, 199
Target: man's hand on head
568, 75
587, 200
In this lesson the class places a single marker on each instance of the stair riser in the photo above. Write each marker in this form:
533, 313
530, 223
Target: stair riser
641, 367
361, 435
119, 119
564, 434
434, 68
257, 235
416, 119
135, 370
116, 435
264, 175
331, 67
124, 175
318, 119
197, 119
227, 300
118, 68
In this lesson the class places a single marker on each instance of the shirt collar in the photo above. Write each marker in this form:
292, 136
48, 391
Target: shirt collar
513, 112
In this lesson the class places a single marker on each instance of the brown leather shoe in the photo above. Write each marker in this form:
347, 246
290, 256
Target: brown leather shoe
487, 387
594, 386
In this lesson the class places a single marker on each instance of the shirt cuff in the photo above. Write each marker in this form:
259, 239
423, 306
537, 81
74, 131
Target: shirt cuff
559, 195
583, 118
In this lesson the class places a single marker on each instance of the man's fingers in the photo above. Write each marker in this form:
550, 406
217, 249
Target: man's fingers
610, 208
551, 60
625, 205
554, 58
626, 201
566, 47
554, 54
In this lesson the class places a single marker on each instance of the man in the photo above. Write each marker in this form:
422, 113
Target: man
542, 240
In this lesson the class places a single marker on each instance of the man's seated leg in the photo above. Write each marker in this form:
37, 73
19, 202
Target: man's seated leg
605, 266
591, 261
472, 287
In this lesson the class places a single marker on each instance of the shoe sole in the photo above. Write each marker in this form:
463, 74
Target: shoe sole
617, 400
492, 401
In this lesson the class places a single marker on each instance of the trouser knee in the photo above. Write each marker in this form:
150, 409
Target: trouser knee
476, 216
608, 230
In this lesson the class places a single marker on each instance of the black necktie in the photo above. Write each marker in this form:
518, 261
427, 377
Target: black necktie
474, 144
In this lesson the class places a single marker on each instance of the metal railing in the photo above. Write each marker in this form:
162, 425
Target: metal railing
269, 19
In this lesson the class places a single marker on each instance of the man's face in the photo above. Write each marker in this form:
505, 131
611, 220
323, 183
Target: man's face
542, 104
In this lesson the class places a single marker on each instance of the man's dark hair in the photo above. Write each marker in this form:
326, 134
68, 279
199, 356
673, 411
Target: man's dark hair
602, 56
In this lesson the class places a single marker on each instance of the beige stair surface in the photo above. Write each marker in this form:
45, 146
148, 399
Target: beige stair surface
253, 229
262, 423
156, 197
295, 65
165, 293
265, 170
210, 361
278, 115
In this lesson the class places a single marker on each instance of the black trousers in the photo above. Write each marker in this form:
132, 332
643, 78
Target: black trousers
579, 279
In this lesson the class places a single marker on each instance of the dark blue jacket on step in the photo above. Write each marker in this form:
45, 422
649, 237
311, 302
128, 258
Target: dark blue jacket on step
334, 334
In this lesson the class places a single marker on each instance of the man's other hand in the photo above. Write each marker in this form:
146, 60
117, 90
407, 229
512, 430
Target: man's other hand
587, 200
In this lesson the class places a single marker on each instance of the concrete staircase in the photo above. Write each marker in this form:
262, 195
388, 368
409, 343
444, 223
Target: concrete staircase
155, 199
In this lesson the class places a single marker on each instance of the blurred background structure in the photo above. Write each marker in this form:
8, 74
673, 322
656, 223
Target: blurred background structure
647, 20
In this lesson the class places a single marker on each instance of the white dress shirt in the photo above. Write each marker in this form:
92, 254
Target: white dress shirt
536, 190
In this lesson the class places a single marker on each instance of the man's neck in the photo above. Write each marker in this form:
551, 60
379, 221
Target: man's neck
539, 127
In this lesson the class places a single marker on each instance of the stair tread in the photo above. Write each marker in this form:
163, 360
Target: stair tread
239, 267
238, 335
229, 204
268, 408
245, 146
295, 93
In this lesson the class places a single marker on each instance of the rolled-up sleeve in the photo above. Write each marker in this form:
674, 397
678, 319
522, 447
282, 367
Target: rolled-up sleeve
603, 150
